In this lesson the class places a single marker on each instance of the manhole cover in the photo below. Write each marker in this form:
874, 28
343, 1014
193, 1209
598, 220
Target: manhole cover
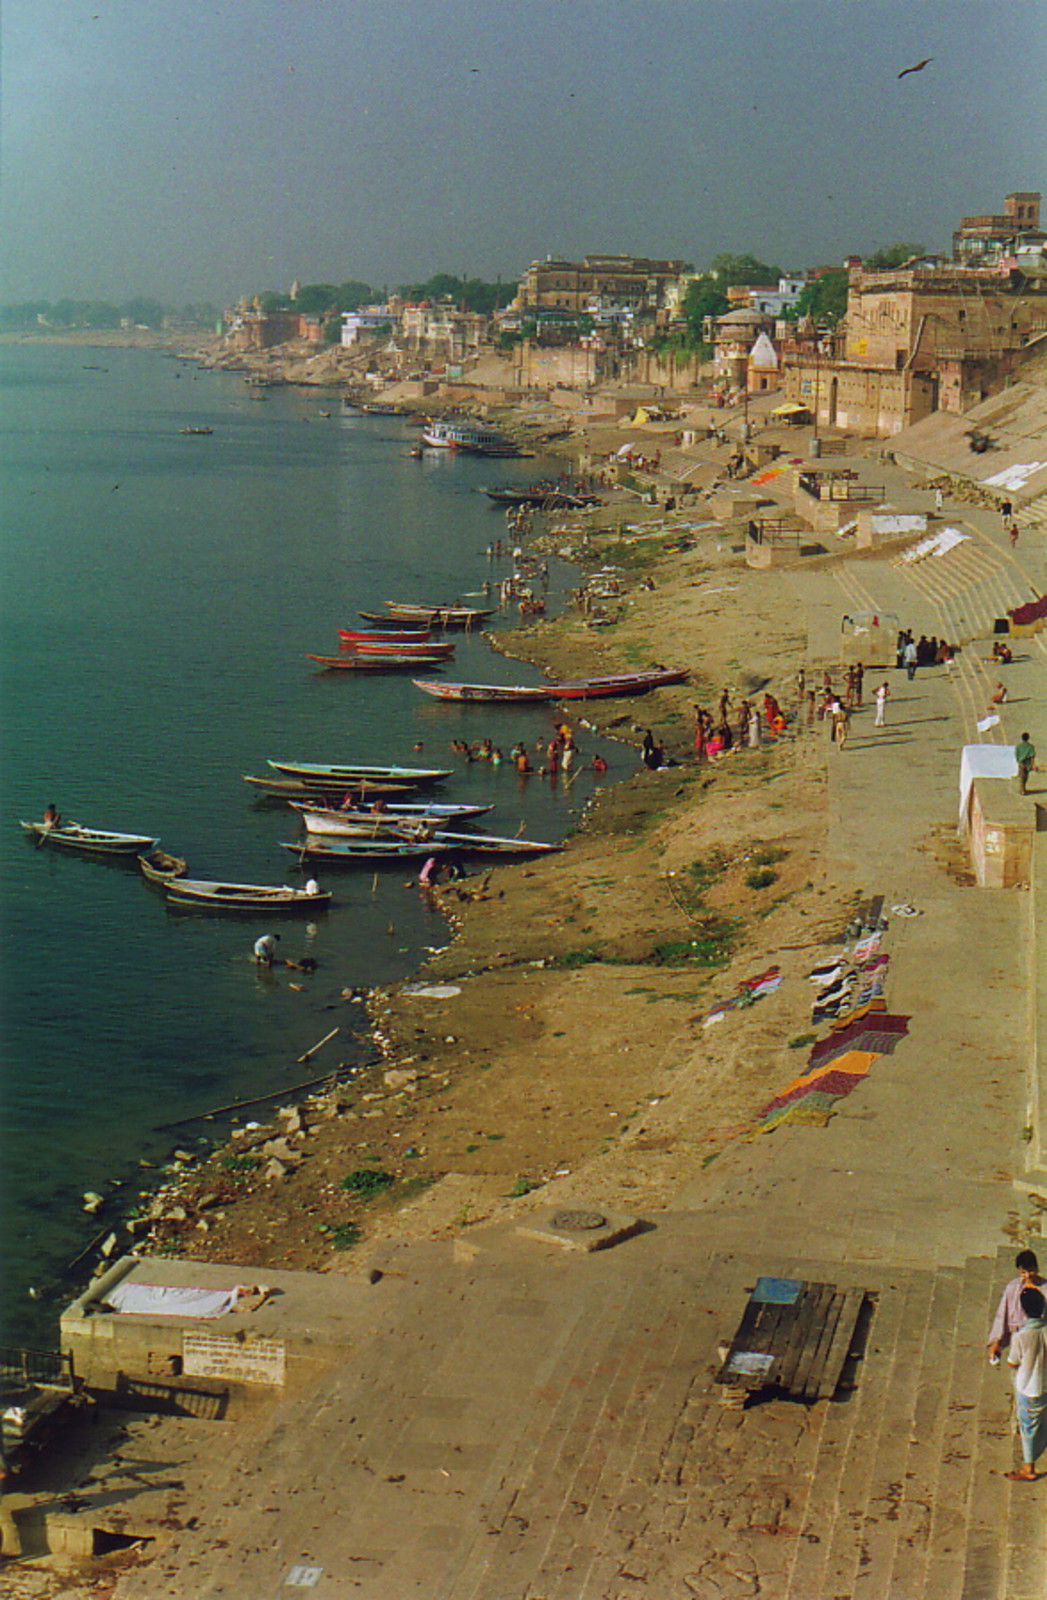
579, 1220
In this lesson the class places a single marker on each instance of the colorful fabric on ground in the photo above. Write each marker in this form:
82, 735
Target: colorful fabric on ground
811, 1107
878, 1033
749, 990
854, 1062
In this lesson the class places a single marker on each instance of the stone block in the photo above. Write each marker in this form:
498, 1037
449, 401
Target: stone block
585, 1228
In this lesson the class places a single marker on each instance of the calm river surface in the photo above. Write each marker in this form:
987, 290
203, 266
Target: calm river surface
158, 595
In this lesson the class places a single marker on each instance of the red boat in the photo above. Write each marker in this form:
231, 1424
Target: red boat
385, 636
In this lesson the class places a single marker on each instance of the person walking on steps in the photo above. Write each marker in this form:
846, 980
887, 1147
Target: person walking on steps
1025, 755
1028, 1359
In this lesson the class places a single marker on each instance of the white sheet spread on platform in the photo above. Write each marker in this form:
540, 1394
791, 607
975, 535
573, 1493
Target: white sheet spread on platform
163, 1300
937, 544
984, 761
1016, 477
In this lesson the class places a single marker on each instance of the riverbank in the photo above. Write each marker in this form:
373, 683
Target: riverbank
678, 884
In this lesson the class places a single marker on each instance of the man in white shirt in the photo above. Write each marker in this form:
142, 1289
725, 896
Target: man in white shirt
1028, 1356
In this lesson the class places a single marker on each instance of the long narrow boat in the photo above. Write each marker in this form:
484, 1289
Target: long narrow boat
326, 793
376, 645
353, 775
385, 637
486, 844
507, 694
385, 624
335, 819
74, 836
584, 689
454, 616
544, 496
624, 683
258, 897
369, 661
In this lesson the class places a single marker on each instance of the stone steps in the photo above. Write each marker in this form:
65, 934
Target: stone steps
908, 1499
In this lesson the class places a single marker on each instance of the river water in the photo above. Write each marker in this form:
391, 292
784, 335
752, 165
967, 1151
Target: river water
158, 595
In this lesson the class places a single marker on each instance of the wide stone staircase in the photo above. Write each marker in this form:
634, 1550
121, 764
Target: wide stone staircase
641, 1482
909, 1496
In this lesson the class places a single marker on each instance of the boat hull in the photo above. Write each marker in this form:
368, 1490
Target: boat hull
265, 899
91, 841
509, 694
440, 843
290, 789
584, 689
373, 662
353, 776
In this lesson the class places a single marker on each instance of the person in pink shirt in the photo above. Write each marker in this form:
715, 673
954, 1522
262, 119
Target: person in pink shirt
1009, 1314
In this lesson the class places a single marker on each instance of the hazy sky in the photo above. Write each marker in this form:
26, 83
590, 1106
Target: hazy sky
197, 149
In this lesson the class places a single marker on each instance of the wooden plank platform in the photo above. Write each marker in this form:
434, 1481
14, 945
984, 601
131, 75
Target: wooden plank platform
793, 1336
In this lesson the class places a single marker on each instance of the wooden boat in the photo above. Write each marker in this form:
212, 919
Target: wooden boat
74, 836
343, 852
258, 897
335, 820
385, 624
625, 683
544, 496
377, 646
159, 867
200, 431
584, 689
353, 776
506, 694
371, 661
385, 636
326, 794
455, 616
439, 843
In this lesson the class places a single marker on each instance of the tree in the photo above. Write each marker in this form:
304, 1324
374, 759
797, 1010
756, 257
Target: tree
353, 294
728, 270
317, 298
703, 298
274, 300
825, 298
894, 255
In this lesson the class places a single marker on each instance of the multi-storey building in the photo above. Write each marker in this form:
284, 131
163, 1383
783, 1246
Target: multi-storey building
598, 283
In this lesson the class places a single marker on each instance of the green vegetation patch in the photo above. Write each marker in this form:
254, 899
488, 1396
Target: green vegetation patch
366, 1181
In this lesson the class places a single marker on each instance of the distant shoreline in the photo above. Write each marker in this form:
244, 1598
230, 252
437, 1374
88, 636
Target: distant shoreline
103, 338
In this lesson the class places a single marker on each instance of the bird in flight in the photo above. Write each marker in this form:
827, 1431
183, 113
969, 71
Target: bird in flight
918, 67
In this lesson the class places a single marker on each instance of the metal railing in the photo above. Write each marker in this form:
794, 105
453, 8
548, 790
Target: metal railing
44, 1369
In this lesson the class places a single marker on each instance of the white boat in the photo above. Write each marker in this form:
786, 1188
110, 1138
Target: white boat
356, 820
244, 896
461, 433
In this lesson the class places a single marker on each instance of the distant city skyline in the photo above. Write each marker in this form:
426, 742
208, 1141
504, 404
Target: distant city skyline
190, 152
